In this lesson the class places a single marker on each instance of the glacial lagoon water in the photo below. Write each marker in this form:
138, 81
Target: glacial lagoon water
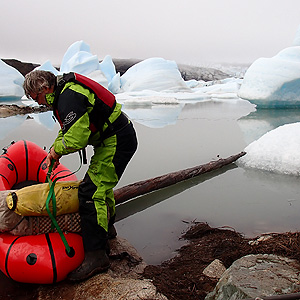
250, 201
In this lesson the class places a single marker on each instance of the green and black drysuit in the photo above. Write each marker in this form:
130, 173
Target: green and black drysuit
76, 108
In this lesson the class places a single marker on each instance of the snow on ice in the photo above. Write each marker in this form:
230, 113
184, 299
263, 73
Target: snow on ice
276, 151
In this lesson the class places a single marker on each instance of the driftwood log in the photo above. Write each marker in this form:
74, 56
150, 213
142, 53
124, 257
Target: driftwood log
18, 225
146, 186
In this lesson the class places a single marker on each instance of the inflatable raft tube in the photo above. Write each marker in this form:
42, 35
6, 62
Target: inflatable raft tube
42, 258
24, 162
39, 259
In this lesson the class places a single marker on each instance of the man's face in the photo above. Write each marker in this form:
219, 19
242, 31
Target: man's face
40, 98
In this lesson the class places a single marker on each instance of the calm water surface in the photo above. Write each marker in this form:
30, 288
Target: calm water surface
250, 201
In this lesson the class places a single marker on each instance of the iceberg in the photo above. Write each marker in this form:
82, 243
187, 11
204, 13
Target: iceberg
154, 77
78, 58
77, 54
99, 77
274, 82
156, 74
115, 84
82, 62
154, 82
11, 81
47, 66
108, 68
276, 151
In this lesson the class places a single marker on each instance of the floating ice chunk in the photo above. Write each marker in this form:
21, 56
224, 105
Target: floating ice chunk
114, 84
82, 62
30, 103
274, 82
99, 77
156, 74
227, 96
192, 97
108, 68
11, 81
164, 100
122, 97
78, 58
150, 100
228, 87
47, 66
182, 97
137, 102
79, 46
192, 83
276, 151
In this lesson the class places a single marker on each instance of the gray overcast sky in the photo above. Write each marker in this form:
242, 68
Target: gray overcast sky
187, 31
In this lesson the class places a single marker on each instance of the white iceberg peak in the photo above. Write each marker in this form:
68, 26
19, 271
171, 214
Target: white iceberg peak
11, 81
274, 82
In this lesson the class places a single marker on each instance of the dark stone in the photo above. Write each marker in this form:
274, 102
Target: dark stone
7, 110
122, 65
22, 67
200, 73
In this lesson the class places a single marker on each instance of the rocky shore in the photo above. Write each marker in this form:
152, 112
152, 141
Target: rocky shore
185, 276
190, 275
7, 110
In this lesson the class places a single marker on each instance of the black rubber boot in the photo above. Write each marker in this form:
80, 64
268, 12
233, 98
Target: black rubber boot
94, 262
112, 232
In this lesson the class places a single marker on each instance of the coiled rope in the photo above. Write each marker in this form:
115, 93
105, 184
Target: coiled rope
51, 198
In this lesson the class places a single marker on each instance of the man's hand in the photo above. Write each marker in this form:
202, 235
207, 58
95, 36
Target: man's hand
52, 155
